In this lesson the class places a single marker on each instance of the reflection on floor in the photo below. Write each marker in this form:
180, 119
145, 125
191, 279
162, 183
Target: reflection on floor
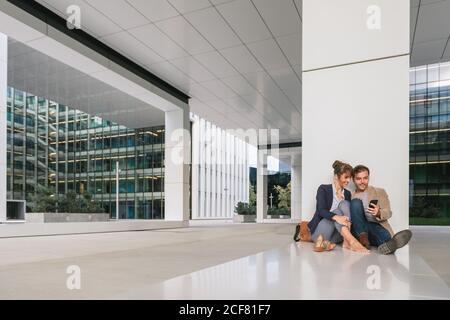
296, 272
223, 261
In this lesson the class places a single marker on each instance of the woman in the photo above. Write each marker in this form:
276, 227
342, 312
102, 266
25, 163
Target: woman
331, 222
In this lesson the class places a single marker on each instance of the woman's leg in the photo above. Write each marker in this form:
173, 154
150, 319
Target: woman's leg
325, 228
350, 241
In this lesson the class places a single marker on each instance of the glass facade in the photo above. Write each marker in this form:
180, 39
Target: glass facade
53, 145
429, 141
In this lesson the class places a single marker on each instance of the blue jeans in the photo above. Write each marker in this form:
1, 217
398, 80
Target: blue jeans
376, 233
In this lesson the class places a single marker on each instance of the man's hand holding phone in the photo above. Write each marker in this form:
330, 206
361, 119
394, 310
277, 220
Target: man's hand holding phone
374, 208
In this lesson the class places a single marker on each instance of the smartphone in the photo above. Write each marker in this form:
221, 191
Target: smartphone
373, 202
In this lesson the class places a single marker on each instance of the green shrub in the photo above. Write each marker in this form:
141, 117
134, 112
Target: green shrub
45, 201
279, 211
244, 208
423, 208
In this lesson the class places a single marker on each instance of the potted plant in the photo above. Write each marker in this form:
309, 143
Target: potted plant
244, 213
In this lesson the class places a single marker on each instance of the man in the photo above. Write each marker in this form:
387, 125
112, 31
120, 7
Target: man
370, 210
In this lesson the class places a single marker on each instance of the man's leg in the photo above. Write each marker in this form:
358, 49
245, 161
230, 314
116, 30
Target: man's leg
359, 221
398, 240
377, 234
360, 228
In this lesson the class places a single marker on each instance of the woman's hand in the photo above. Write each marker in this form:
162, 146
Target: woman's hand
342, 220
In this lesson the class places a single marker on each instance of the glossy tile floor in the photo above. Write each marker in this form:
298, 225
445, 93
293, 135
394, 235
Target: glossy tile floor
220, 262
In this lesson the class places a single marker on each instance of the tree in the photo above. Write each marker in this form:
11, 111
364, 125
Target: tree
43, 200
284, 196
252, 196
73, 203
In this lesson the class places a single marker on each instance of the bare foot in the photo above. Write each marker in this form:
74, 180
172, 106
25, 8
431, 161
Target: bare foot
358, 247
355, 246
346, 245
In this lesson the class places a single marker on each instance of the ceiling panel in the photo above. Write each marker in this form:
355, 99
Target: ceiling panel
428, 52
433, 22
289, 83
193, 69
171, 74
218, 88
241, 58
245, 20
158, 41
120, 12
137, 51
217, 64
430, 31
292, 47
184, 6
213, 27
282, 17
179, 30
201, 93
268, 54
240, 85
154, 10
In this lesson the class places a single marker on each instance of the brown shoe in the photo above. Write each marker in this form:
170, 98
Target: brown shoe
364, 240
305, 234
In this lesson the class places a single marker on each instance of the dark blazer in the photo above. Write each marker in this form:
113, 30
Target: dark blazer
324, 201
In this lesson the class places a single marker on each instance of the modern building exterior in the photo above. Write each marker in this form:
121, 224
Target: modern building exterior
430, 140
264, 69
65, 149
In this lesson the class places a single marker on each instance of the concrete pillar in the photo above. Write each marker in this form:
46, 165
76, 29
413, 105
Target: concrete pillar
3, 123
177, 160
296, 187
261, 186
356, 95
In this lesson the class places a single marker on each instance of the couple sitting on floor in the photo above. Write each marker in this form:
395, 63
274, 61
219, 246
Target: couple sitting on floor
358, 219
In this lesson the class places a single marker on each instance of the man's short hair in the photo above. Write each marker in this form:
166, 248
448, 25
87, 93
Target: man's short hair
360, 168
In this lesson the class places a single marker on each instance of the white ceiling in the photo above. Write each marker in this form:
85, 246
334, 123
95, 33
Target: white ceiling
430, 31
239, 60
36, 73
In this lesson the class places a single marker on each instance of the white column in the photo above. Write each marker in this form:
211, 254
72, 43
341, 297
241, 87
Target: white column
3, 123
296, 188
195, 168
356, 95
261, 186
177, 158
